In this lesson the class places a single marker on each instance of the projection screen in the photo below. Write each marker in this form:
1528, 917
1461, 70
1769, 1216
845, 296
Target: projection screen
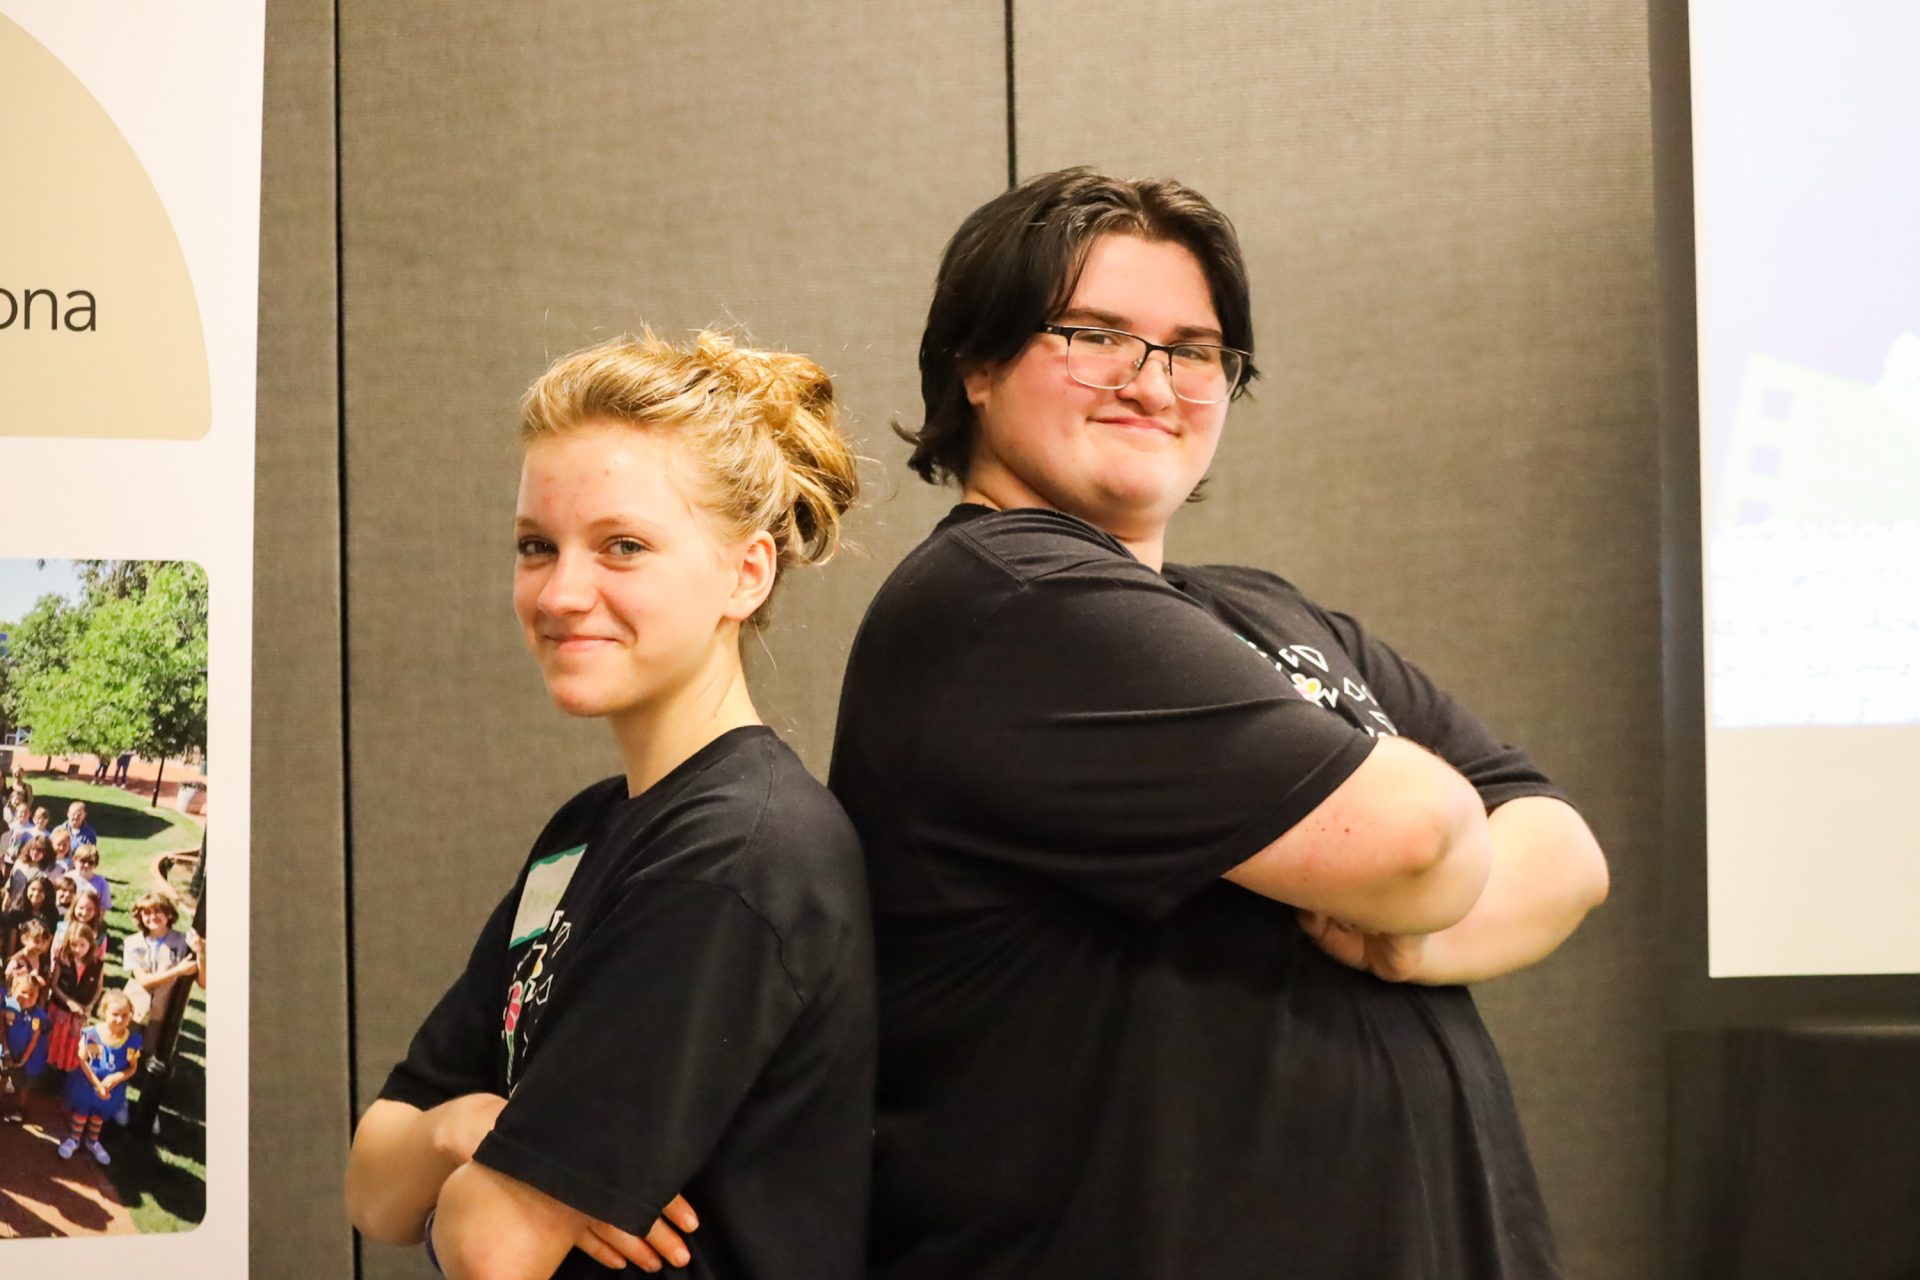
1806, 124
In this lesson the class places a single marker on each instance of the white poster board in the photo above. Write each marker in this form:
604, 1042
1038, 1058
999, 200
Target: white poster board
129, 253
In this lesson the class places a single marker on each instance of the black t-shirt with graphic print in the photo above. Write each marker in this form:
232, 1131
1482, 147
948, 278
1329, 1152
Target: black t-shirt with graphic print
1097, 1057
677, 996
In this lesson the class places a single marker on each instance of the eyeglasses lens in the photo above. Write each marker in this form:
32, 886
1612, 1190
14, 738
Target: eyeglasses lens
1199, 374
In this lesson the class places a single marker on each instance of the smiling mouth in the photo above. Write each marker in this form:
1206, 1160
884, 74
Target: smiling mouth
565, 643
1136, 424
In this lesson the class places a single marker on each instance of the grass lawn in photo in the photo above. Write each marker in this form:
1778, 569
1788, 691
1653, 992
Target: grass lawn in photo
163, 1182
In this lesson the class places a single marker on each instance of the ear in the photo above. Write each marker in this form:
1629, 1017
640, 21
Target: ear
756, 564
979, 383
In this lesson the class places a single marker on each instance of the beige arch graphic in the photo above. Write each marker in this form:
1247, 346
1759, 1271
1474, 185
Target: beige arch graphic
81, 214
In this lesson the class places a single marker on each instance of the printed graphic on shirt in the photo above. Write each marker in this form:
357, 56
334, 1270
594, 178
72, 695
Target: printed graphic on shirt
540, 932
1312, 677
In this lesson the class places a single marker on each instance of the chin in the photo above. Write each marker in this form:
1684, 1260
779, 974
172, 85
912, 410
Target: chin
1133, 513
581, 702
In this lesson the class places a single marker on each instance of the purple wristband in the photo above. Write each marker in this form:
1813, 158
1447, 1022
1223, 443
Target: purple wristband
427, 1242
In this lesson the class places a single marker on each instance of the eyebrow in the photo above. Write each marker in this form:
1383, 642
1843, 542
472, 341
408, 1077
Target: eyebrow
632, 523
1109, 320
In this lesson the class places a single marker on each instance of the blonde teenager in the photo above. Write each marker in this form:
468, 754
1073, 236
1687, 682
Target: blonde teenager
675, 995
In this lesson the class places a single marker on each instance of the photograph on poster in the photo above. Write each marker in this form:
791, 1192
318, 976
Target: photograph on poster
103, 732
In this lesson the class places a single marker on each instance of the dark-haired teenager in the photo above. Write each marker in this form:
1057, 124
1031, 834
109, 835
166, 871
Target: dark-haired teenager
1177, 873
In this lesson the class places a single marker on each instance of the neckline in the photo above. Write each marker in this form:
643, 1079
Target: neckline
724, 745
966, 512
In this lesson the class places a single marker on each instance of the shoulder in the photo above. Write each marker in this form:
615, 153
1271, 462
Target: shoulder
749, 811
1008, 549
1030, 543
575, 820
1240, 580
1260, 594
955, 584
757, 828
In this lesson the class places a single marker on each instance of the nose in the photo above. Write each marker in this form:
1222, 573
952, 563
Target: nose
1152, 386
568, 588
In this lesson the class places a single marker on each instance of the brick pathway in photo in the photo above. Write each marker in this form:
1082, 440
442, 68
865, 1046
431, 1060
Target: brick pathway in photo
43, 1195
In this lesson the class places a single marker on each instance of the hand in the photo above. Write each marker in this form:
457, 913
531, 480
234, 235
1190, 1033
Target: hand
459, 1124
104, 1091
611, 1247
1391, 957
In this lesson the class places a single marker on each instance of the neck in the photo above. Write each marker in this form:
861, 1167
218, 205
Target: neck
1149, 549
659, 736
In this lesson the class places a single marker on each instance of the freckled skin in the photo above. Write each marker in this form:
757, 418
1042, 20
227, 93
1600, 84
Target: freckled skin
624, 604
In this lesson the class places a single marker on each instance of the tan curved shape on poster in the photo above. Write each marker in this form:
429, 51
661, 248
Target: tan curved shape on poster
79, 213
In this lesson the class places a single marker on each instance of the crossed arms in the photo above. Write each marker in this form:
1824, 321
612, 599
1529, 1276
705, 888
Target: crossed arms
1401, 871
407, 1162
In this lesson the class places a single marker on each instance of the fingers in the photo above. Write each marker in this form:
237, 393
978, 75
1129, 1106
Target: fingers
1344, 944
681, 1214
668, 1243
662, 1246
612, 1247
590, 1243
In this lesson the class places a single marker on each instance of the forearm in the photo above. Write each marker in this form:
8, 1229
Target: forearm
488, 1226
396, 1170
1547, 873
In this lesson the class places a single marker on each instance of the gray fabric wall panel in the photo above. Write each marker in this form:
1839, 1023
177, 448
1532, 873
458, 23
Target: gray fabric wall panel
298, 1225
1447, 213
523, 180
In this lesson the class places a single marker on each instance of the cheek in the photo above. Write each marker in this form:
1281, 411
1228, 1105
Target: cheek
526, 596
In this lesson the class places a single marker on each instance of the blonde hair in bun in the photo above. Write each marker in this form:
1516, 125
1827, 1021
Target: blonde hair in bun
762, 425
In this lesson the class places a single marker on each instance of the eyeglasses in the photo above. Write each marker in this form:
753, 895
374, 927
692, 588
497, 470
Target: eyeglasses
1109, 359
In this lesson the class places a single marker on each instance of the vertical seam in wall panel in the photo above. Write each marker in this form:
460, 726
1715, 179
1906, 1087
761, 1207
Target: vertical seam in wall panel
1013, 160
346, 701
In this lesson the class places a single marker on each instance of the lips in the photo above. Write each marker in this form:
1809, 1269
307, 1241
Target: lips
1136, 424
576, 643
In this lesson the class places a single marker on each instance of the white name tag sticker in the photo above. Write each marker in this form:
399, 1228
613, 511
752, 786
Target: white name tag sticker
547, 880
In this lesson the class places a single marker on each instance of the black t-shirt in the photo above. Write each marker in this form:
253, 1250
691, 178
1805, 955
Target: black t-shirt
677, 996
1097, 1057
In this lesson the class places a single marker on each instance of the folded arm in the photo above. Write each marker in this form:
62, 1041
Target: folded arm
1547, 873
402, 1156
1401, 846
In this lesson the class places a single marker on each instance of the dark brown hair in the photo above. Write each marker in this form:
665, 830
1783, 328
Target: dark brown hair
1012, 266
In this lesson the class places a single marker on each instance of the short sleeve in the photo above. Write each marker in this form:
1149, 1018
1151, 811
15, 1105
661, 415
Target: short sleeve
456, 1049
1110, 734
671, 1011
1426, 714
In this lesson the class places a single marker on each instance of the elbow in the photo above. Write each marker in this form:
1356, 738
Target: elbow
478, 1262
376, 1218
372, 1206
1446, 859
1596, 880
1450, 827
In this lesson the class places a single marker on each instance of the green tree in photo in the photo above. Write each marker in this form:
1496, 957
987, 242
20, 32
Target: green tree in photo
36, 661
125, 669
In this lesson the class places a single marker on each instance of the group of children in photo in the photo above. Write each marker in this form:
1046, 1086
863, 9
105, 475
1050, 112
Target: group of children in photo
63, 1029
